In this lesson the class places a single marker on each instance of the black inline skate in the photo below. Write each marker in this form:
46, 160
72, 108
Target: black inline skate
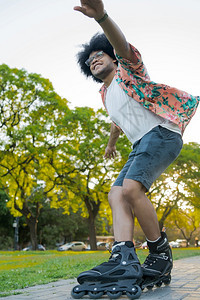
158, 264
118, 276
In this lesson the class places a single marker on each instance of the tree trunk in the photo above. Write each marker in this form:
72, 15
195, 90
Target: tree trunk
32, 223
161, 224
166, 213
93, 208
92, 232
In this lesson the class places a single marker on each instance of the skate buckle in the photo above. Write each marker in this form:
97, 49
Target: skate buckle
165, 257
77, 288
124, 262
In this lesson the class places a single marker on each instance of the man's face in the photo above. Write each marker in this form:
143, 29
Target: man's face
101, 65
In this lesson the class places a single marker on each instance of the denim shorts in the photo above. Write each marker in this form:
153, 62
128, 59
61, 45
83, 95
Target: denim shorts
150, 156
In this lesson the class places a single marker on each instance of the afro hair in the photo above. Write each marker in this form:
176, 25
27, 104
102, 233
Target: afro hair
97, 43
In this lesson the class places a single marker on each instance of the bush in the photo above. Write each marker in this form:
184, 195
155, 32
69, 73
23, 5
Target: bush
6, 242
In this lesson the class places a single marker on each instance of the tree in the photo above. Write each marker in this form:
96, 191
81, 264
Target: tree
189, 167
31, 115
88, 184
187, 221
178, 186
55, 227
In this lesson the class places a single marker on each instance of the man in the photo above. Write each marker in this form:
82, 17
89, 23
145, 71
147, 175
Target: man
153, 117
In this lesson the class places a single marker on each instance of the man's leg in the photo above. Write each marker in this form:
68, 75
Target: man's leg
130, 198
134, 194
123, 218
126, 200
123, 261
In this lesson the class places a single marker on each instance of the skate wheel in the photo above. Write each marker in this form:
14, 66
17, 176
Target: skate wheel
150, 286
77, 294
95, 295
167, 280
135, 294
114, 295
158, 284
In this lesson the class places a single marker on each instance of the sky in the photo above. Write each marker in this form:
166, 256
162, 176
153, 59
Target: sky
44, 36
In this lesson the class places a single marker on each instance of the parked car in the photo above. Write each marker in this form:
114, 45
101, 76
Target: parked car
102, 246
182, 242
75, 246
39, 247
174, 244
178, 243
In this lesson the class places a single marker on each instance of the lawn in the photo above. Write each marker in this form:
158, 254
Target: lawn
23, 269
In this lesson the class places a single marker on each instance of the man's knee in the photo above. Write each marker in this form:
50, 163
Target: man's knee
114, 195
132, 190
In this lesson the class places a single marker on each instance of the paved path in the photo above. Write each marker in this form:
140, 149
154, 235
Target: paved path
185, 284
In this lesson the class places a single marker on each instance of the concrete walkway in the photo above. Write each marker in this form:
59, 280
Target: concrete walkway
185, 284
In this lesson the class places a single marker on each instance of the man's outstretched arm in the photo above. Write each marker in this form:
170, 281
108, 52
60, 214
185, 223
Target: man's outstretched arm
95, 9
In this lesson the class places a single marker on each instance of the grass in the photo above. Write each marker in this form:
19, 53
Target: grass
23, 269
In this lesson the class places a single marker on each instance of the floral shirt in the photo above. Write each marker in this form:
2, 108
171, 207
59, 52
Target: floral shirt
168, 102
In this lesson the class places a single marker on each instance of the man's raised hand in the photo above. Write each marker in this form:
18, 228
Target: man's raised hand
91, 8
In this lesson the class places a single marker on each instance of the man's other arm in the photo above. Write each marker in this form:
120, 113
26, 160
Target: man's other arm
110, 151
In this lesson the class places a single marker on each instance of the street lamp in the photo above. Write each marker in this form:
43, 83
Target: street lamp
16, 235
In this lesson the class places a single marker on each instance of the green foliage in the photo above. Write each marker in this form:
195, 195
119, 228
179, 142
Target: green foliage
31, 113
178, 186
56, 227
187, 221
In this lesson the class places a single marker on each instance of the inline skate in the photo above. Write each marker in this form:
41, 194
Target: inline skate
158, 264
118, 276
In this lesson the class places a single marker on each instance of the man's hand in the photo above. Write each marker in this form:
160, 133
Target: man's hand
110, 152
95, 9
91, 8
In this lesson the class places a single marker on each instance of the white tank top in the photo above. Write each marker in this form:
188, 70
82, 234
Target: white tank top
134, 119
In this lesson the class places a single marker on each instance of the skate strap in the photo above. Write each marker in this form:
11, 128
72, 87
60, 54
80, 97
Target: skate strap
151, 258
163, 244
119, 244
